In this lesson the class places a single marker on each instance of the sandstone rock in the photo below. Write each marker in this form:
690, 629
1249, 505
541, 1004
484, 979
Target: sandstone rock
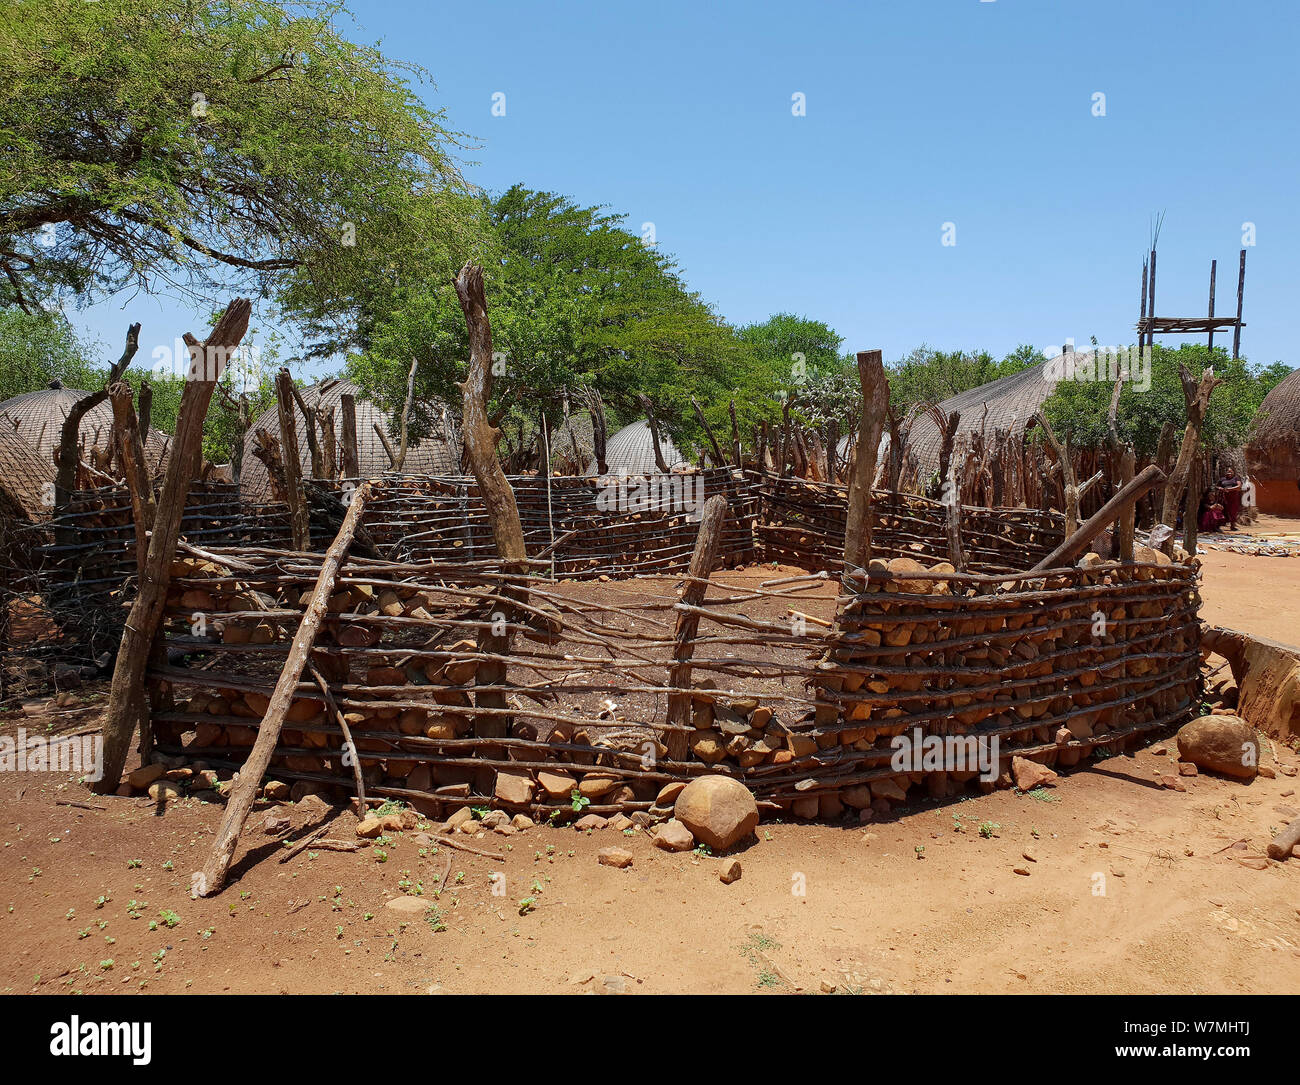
1186, 768
514, 788
145, 775
164, 791
674, 836
556, 785
522, 821
620, 823
369, 828
1225, 744
276, 790
730, 872
669, 792
590, 821
615, 857
493, 818
457, 819
275, 824
717, 810
1030, 774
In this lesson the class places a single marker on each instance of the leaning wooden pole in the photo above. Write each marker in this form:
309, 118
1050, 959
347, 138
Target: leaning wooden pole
299, 517
718, 458
1074, 546
703, 559
145, 617
498, 498
862, 471
213, 875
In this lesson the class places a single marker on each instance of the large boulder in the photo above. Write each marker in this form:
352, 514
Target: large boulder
1225, 744
718, 810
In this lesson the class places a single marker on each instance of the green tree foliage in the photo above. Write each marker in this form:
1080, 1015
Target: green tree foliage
575, 299
188, 144
37, 348
1078, 408
931, 376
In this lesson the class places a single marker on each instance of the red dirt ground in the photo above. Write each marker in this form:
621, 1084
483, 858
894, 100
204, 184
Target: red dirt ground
1130, 888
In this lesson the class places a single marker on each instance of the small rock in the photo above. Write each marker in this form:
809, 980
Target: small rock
1030, 774
493, 818
142, 777
590, 821
1172, 783
1267, 772
730, 872
1186, 768
828, 988
454, 822
369, 828
514, 789
522, 821
612, 985
276, 790
674, 836
615, 857
274, 825
1021, 870
620, 823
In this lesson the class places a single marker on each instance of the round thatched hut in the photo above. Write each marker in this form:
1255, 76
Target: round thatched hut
1007, 403
26, 479
1273, 450
432, 456
630, 451
37, 417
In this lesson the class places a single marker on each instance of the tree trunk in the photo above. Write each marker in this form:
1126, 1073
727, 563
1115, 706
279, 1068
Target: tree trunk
403, 441
735, 435
653, 423
309, 430
213, 875
143, 621
718, 458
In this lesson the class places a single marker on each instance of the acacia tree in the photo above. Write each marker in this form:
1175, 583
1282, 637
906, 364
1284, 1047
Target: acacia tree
577, 301
240, 143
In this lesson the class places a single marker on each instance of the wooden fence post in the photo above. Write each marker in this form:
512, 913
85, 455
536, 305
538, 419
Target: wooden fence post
703, 558
351, 457
299, 517
145, 617
498, 498
862, 471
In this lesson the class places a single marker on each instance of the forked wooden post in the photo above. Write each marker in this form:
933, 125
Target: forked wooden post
1128, 518
134, 469
703, 559
498, 498
299, 517
213, 876
142, 623
871, 425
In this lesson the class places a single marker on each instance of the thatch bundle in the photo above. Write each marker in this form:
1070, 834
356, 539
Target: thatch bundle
435, 455
26, 479
38, 418
1273, 451
1004, 405
630, 451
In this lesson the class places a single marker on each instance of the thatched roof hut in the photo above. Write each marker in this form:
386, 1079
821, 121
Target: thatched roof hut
1007, 403
432, 456
1273, 450
26, 479
38, 418
630, 451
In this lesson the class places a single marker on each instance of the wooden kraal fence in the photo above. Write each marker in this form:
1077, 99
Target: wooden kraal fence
801, 711
802, 523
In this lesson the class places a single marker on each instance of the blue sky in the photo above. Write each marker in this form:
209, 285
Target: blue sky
918, 113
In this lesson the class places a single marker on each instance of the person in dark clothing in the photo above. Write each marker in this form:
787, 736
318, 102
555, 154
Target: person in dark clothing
1230, 496
1211, 517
